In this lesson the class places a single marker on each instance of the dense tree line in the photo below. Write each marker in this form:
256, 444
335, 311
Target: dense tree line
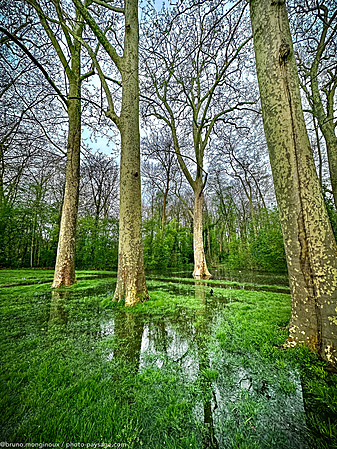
30, 217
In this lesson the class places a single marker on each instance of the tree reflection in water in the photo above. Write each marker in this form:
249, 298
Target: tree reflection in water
203, 329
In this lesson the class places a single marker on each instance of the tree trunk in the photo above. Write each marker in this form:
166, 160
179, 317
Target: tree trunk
163, 215
209, 242
131, 282
325, 120
310, 246
33, 240
65, 262
319, 153
200, 266
2, 171
328, 130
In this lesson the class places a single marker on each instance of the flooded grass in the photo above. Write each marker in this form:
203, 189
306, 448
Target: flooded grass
227, 284
183, 370
13, 278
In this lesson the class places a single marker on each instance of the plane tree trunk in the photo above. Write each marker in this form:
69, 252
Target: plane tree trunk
67, 45
309, 242
200, 266
131, 283
65, 261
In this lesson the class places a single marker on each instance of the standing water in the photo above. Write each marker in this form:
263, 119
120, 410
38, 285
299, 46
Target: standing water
154, 378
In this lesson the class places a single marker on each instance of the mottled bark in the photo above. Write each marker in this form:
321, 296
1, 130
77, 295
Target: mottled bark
65, 261
200, 266
309, 243
131, 283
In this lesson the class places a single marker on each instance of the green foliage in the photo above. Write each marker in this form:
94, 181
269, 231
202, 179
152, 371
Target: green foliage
96, 243
263, 251
169, 247
238, 254
320, 394
247, 330
20, 228
267, 249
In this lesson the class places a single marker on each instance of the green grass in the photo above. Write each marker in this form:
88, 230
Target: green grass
232, 283
41, 276
78, 368
10, 277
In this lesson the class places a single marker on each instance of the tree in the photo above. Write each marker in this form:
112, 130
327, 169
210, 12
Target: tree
97, 235
160, 166
315, 25
310, 246
31, 140
65, 261
53, 19
193, 82
243, 157
131, 283
99, 185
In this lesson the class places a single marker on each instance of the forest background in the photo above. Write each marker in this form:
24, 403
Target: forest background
241, 227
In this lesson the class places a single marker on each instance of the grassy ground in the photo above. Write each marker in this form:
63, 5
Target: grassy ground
183, 370
41, 276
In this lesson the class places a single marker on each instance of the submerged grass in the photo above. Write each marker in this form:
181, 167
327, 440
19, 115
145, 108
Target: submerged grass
183, 370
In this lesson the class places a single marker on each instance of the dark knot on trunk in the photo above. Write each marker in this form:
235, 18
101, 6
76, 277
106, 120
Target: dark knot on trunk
284, 51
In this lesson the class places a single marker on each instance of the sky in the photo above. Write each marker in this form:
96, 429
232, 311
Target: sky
100, 143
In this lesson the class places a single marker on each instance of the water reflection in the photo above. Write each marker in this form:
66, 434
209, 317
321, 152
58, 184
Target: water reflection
232, 397
222, 273
233, 392
129, 331
58, 312
162, 344
204, 319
